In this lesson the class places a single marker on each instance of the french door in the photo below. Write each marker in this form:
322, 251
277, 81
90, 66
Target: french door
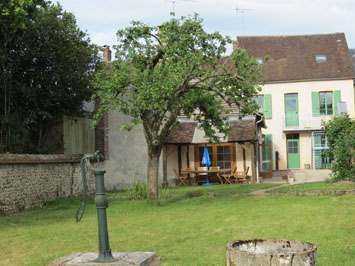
222, 155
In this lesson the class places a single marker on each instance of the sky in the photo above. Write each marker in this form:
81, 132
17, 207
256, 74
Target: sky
102, 18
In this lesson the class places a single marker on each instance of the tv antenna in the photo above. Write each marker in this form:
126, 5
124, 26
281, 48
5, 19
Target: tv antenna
175, 1
242, 10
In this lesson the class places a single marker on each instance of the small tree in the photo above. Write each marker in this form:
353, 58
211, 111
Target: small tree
340, 133
161, 72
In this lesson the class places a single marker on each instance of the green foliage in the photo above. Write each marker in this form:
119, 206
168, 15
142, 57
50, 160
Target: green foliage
340, 133
46, 65
138, 191
161, 72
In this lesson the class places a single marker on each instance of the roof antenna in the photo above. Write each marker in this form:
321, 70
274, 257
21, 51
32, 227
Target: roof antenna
175, 1
242, 10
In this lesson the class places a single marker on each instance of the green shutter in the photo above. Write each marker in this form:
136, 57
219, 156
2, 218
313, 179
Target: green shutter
337, 98
268, 140
315, 103
267, 106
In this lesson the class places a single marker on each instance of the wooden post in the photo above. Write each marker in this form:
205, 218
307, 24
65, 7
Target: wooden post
253, 163
244, 160
165, 164
188, 156
179, 158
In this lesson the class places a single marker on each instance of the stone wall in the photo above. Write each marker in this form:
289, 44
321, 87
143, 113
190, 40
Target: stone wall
27, 181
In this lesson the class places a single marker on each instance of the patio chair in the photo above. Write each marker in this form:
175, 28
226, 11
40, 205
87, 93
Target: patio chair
217, 174
201, 177
229, 179
182, 177
241, 177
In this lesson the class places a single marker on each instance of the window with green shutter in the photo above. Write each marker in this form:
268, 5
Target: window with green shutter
264, 102
325, 102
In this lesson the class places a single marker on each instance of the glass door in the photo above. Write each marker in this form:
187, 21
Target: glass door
291, 110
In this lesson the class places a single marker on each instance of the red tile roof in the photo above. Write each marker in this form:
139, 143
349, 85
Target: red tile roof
182, 133
293, 57
242, 130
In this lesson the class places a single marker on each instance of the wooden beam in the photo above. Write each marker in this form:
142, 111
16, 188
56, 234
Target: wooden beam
165, 164
246, 147
188, 156
253, 164
244, 160
179, 158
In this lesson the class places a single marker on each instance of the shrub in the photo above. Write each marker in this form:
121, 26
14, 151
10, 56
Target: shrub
340, 133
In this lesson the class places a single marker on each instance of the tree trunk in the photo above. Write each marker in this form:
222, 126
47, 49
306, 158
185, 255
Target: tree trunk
152, 174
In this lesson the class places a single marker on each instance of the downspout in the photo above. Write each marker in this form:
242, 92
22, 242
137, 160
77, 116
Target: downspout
256, 148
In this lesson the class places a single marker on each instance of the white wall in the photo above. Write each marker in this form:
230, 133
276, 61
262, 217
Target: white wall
304, 90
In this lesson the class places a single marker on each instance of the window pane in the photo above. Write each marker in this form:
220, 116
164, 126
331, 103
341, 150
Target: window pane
220, 157
291, 105
227, 165
227, 149
261, 103
220, 164
227, 157
329, 103
322, 103
219, 149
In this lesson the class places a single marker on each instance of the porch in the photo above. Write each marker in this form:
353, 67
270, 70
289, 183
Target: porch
185, 145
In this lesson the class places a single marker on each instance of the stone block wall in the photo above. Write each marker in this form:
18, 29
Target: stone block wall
27, 181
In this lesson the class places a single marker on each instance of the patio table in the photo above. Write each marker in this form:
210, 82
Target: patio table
218, 172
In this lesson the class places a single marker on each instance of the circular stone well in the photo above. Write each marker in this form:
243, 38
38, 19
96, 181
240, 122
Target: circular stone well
271, 252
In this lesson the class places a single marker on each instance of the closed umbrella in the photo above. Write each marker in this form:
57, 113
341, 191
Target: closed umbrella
206, 162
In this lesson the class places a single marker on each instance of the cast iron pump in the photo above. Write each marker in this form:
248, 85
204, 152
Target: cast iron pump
105, 254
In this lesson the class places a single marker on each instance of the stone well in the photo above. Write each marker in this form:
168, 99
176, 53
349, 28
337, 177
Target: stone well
271, 252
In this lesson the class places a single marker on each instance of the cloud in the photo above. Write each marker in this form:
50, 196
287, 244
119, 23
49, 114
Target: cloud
272, 17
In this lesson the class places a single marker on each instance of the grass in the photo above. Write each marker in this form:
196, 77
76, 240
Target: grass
183, 230
325, 185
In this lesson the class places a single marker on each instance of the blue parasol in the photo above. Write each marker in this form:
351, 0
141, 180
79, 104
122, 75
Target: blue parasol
206, 162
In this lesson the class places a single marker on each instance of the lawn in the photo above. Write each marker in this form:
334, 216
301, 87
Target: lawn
184, 230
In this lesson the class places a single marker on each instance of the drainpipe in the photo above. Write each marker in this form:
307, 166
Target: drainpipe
256, 148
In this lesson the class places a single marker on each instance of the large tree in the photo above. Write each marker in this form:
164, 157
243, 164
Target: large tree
161, 72
47, 64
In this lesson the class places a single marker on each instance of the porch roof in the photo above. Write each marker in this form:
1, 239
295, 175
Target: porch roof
188, 133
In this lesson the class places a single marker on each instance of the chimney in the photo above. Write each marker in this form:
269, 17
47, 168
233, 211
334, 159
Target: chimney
107, 53
235, 45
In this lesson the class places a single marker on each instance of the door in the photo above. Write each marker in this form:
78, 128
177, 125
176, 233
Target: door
291, 110
266, 162
293, 151
222, 155
319, 145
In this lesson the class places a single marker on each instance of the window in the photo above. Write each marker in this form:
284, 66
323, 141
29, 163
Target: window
264, 101
321, 58
259, 99
326, 103
222, 155
260, 61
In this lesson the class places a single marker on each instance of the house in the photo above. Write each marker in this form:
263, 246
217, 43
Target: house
309, 80
125, 153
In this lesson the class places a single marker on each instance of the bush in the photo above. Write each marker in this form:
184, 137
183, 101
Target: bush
340, 133
138, 191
